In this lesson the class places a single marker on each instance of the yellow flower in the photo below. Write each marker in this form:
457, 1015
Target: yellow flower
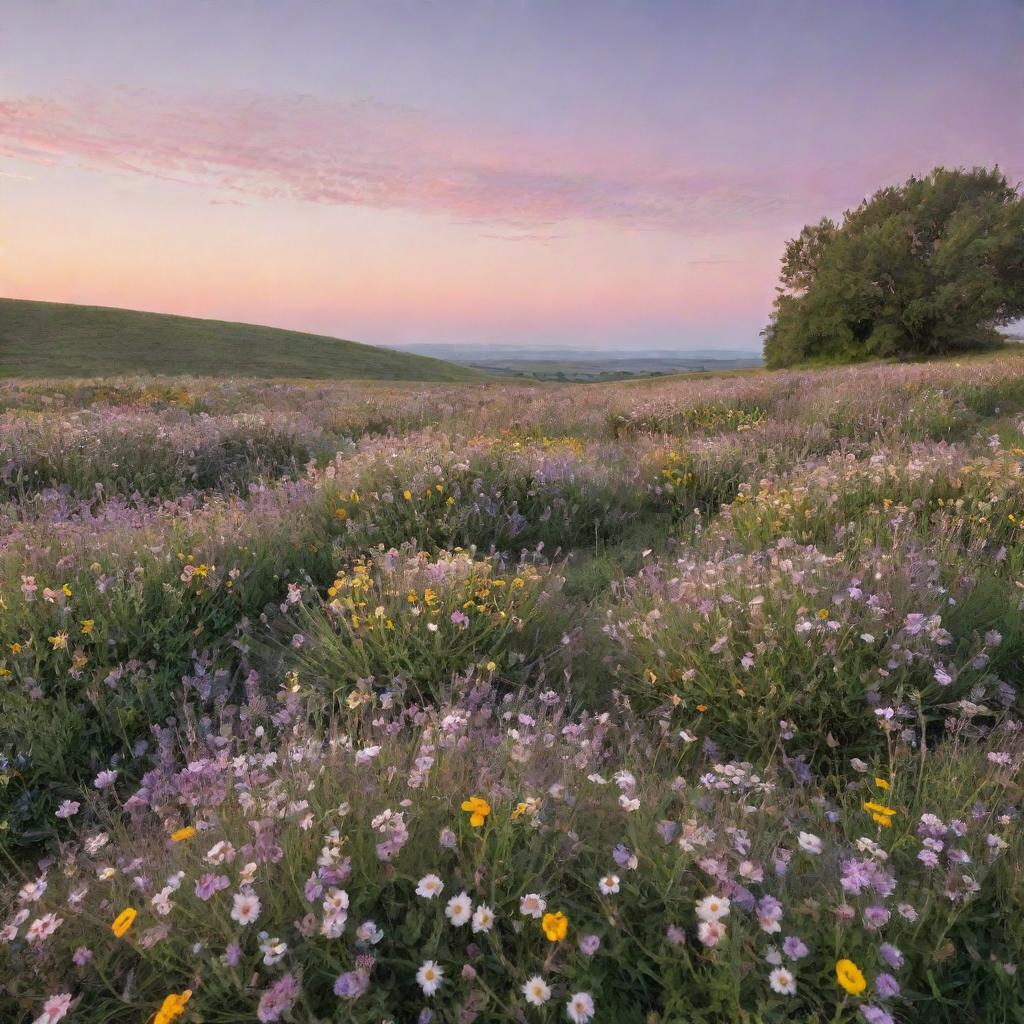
67, 590
556, 926
15, 648
124, 921
879, 808
477, 808
881, 784
87, 626
181, 834
850, 978
59, 641
172, 1007
881, 819
822, 613
491, 666
407, 495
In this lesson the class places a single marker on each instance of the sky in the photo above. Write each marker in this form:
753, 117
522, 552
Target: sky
594, 173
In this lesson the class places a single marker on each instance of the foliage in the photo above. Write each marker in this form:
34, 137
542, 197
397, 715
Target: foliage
919, 269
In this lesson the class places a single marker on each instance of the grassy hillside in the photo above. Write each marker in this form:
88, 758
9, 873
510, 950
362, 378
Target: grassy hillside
48, 339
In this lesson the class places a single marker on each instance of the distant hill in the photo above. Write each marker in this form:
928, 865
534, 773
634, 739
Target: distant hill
49, 339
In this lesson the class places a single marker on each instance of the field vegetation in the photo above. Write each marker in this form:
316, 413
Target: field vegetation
678, 700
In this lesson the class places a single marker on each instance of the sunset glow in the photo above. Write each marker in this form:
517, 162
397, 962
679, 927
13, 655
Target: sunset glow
616, 175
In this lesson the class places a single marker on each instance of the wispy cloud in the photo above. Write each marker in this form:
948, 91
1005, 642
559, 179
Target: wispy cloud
373, 155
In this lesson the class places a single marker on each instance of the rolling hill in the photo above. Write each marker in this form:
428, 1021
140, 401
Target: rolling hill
49, 339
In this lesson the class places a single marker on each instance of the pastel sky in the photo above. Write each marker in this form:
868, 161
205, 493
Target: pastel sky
548, 172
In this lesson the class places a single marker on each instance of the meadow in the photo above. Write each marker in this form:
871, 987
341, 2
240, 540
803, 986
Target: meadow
688, 700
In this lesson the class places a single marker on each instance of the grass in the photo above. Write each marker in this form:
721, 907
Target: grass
50, 339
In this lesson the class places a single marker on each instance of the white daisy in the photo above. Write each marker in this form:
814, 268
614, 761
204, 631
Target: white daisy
459, 909
533, 905
580, 1008
713, 908
536, 991
429, 977
810, 843
609, 885
429, 886
246, 907
782, 981
483, 919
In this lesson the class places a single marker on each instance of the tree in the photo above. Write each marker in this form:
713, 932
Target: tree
931, 266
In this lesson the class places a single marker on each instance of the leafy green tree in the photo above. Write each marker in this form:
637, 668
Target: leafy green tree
930, 266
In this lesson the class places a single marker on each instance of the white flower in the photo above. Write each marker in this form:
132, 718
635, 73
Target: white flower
459, 909
366, 755
713, 908
336, 901
483, 919
533, 905
782, 981
580, 1008
627, 804
710, 932
810, 843
429, 886
536, 991
54, 1009
429, 977
273, 950
161, 902
609, 885
246, 907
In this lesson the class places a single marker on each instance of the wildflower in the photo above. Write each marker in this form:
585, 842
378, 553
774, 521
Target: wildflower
246, 907
124, 921
68, 809
556, 926
352, 984
82, 956
208, 884
589, 944
675, 935
483, 919
105, 780
794, 947
782, 982
710, 932
429, 886
886, 986
879, 809
536, 991
609, 885
273, 950
181, 834
810, 843
580, 1008
278, 999
429, 977
881, 784
875, 1014
478, 809
532, 905
42, 928
54, 1009
850, 978
87, 626
59, 641
172, 1007
890, 954
459, 909
713, 908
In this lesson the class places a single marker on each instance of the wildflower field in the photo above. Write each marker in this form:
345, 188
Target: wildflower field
693, 700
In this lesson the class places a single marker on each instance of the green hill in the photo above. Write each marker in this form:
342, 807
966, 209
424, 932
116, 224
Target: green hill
49, 339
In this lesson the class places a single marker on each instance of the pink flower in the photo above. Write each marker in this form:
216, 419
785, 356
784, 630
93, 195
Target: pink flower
54, 1009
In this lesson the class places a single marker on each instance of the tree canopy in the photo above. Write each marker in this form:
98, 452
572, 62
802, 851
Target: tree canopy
930, 266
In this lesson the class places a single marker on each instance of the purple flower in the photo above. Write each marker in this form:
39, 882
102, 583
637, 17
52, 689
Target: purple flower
278, 999
589, 944
675, 935
794, 947
82, 956
352, 984
233, 955
68, 809
208, 884
891, 955
874, 917
621, 855
460, 619
875, 1015
105, 779
886, 986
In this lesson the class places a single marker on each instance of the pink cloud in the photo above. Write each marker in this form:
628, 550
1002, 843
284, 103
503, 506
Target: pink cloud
371, 155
